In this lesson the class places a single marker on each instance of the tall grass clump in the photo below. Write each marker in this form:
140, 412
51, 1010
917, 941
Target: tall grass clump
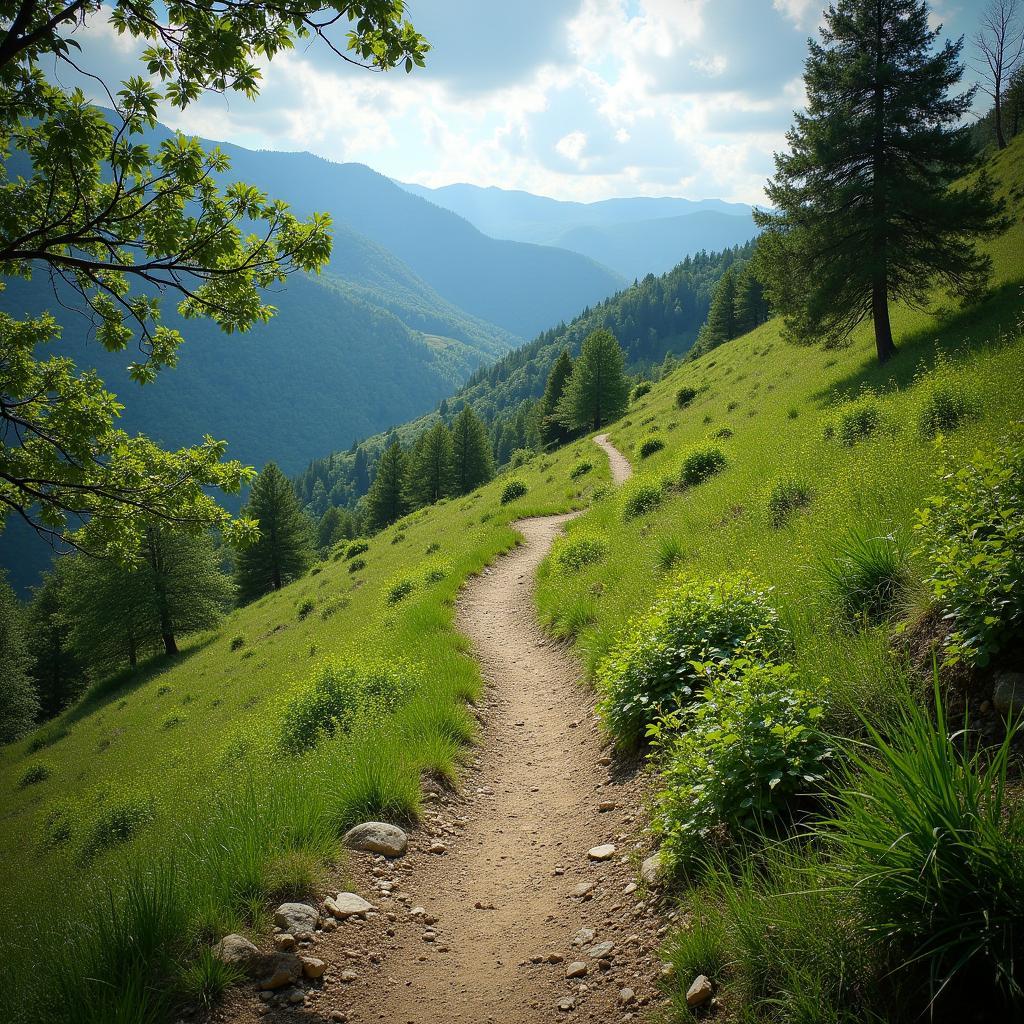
859, 420
787, 496
580, 469
972, 538
737, 759
946, 405
927, 838
671, 551
700, 465
337, 693
662, 659
574, 553
867, 575
119, 819
399, 589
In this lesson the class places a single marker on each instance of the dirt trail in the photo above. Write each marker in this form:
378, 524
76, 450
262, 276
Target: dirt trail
503, 902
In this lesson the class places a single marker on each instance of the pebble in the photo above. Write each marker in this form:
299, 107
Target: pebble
577, 969
627, 997
436, 847
348, 976
583, 936
604, 852
606, 805
567, 1003
584, 889
284, 941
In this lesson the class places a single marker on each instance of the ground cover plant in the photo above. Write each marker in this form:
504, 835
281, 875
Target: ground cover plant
269, 762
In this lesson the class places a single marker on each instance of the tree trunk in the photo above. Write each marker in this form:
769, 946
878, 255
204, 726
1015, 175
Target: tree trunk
1000, 138
884, 345
133, 655
170, 644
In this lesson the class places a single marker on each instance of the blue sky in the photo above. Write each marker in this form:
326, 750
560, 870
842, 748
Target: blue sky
577, 99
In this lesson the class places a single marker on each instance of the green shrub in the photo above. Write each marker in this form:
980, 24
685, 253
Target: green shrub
749, 748
930, 842
47, 737
356, 547
700, 465
640, 389
650, 672
337, 693
859, 420
512, 490
972, 537
306, 607
520, 457
34, 773
649, 446
356, 564
946, 405
333, 607
119, 819
580, 469
400, 589
237, 643
639, 499
398, 537
868, 575
685, 396
433, 547
577, 552
436, 571
787, 496
724, 433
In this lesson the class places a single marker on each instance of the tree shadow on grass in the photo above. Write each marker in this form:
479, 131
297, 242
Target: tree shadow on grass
992, 322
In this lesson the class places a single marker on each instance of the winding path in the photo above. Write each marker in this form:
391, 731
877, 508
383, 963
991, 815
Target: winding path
504, 901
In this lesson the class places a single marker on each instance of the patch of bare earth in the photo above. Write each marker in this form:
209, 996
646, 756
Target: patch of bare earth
485, 928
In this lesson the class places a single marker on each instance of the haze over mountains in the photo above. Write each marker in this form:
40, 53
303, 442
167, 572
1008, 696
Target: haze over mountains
633, 236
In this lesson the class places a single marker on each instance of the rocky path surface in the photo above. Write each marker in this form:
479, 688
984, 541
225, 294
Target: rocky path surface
517, 901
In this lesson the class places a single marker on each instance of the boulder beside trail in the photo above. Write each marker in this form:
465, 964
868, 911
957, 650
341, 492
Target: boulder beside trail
296, 917
651, 870
377, 837
347, 904
237, 951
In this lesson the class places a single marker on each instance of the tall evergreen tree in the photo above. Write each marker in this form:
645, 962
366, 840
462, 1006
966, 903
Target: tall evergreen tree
386, 500
597, 392
284, 548
335, 525
720, 326
472, 460
361, 473
57, 670
19, 704
864, 212
750, 308
430, 472
553, 430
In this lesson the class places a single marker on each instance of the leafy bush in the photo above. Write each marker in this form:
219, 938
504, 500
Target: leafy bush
400, 589
433, 547
237, 643
700, 465
972, 536
859, 420
650, 671
580, 469
930, 842
575, 553
520, 457
436, 571
868, 575
640, 498
119, 820
34, 773
398, 537
356, 547
512, 490
946, 404
649, 446
684, 396
640, 389
356, 564
749, 748
306, 607
337, 693
787, 496
724, 433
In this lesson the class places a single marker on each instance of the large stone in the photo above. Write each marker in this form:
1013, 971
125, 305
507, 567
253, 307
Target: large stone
604, 852
347, 904
1008, 693
699, 992
651, 869
603, 950
238, 951
312, 967
281, 970
296, 917
577, 969
377, 837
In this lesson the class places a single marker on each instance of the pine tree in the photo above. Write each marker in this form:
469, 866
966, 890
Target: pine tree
284, 548
720, 326
864, 209
553, 431
750, 307
430, 472
57, 670
472, 459
19, 704
361, 473
386, 502
330, 529
597, 392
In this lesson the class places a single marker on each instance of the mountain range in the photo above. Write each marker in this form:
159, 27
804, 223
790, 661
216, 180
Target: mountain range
634, 236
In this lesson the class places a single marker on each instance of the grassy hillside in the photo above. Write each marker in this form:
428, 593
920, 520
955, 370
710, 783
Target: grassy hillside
134, 787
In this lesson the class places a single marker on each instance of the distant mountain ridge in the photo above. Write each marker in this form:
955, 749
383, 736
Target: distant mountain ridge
634, 236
